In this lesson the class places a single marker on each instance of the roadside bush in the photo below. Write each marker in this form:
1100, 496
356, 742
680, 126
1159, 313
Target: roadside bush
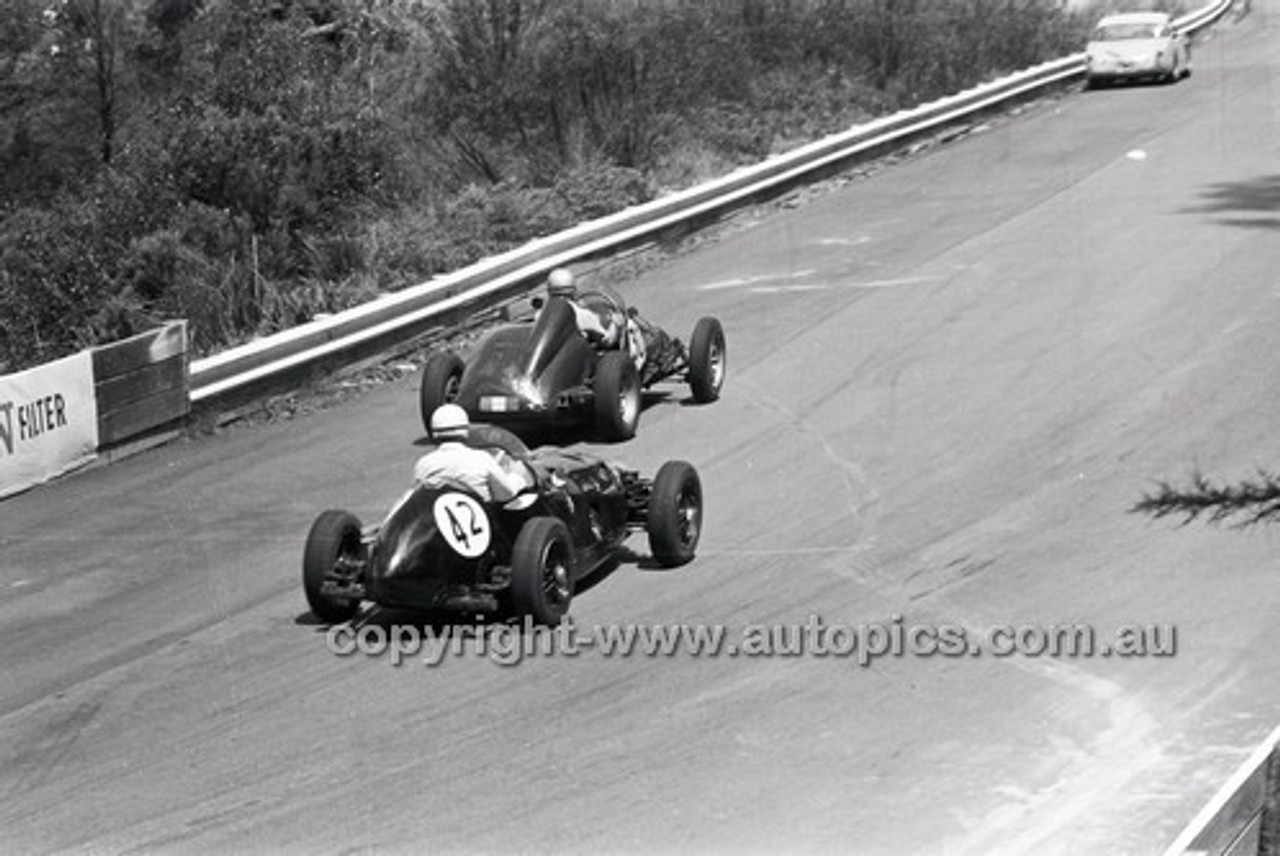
594, 190
167, 278
406, 246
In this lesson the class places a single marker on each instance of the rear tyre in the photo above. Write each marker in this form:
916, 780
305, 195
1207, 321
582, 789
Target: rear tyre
441, 380
706, 360
333, 548
617, 396
542, 571
675, 514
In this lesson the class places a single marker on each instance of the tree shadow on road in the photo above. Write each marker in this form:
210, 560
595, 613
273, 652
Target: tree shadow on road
1255, 203
1244, 503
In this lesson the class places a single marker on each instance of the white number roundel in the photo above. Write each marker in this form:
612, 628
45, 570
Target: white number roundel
462, 523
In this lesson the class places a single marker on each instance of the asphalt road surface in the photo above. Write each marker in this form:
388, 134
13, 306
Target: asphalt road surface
949, 382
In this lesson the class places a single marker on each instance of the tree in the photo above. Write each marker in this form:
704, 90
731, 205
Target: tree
90, 38
483, 102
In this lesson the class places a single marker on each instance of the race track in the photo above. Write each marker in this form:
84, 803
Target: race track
949, 382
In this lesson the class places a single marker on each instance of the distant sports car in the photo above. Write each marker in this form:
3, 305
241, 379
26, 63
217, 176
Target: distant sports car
545, 372
1135, 46
446, 548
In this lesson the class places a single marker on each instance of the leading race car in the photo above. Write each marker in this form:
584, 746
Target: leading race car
446, 548
546, 372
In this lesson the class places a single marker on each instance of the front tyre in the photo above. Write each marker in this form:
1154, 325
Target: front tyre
441, 380
542, 571
334, 549
674, 519
706, 360
617, 396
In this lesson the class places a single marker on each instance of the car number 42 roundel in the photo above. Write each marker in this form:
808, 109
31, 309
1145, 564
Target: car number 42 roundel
462, 523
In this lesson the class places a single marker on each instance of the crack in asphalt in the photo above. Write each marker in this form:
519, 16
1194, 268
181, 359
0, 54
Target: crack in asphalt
860, 494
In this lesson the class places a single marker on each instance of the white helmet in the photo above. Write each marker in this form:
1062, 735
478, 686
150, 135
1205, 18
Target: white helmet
560, 283
449, 422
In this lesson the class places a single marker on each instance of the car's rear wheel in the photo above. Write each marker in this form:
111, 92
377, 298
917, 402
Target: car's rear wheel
334, 549
706, 360
617, 396
441, 380
542, 571
674, 518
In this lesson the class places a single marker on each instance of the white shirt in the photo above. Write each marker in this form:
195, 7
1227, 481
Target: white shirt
475, 468
589, 321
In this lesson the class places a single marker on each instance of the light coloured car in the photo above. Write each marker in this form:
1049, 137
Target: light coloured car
1136, 46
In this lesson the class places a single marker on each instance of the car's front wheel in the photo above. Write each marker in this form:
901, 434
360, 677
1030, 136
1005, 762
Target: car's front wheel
334, 550
441, 380
706, 360
542, 571
674, 520
617, 396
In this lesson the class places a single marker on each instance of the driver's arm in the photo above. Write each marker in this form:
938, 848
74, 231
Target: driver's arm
592, 325
506, 482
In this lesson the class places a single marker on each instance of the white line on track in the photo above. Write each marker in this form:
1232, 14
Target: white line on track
745, 281
843, 242
754, 284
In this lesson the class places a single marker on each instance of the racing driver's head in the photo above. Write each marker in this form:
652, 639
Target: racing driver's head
449, 422
560, 284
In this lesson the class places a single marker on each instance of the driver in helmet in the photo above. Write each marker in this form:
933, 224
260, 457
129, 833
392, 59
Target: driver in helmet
598, 329
601, 329
494, 476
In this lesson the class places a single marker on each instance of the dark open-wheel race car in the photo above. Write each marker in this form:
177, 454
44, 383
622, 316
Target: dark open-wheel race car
445, 548
545, 372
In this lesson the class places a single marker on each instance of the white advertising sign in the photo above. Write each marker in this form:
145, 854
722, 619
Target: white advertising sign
48, 422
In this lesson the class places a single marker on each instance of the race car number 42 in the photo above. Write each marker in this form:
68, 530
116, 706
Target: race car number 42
463, 523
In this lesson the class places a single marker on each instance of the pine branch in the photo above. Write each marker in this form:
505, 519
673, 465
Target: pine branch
1247, 502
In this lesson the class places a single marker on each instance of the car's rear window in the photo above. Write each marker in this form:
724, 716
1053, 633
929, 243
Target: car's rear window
1121, 32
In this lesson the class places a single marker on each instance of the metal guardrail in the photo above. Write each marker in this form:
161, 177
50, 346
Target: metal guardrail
396, 317
1241, 819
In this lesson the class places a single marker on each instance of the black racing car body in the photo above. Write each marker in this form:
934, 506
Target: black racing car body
443, 547
545, 372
